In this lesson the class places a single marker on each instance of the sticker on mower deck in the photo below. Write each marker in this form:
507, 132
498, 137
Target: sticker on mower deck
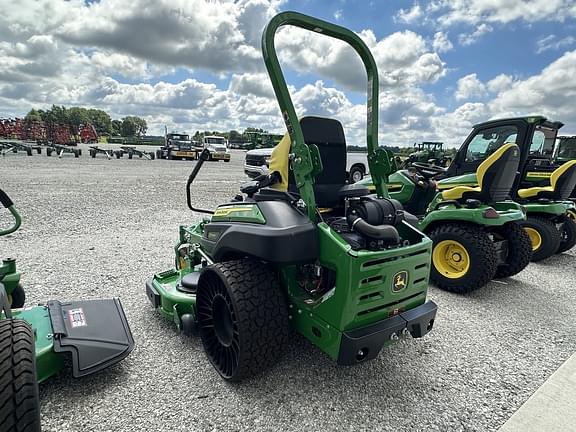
77, 318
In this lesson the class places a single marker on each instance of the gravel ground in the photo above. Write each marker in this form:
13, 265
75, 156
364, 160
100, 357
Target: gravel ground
98, 228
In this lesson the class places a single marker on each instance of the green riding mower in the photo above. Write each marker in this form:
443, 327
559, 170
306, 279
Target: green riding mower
476, 232
300, 249
37, 342
542, 185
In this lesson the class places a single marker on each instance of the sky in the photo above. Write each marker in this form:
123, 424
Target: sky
444, 65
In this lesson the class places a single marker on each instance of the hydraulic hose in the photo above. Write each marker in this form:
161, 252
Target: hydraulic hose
378, 232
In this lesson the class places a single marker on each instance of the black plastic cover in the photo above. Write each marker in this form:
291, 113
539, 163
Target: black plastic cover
94, 332
287, 237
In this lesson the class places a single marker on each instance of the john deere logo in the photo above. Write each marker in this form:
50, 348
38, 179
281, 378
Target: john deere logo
400, 281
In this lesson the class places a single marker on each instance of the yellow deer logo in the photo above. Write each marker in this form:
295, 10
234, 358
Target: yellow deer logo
400, 281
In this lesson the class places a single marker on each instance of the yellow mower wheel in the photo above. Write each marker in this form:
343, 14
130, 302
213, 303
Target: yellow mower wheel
535, 238
451, 259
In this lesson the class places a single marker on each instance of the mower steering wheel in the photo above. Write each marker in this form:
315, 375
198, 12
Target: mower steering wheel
426, 170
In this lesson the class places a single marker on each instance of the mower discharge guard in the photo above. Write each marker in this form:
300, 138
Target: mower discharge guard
94, 332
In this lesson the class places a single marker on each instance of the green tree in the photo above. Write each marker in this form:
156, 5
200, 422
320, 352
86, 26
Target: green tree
100, 120
57, 114
129, 127
78, 116
33, 115
116, 127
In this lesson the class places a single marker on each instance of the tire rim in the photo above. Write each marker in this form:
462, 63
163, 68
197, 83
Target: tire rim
218, 325
357, 176
451, 259
535, 238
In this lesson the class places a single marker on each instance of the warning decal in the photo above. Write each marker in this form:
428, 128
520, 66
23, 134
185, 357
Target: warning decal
77, 318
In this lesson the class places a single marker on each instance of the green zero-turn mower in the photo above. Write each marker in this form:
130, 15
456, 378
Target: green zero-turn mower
542, 186
476, 232
35, 341
351, 280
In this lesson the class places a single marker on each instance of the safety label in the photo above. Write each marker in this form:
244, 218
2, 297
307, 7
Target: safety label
77, 318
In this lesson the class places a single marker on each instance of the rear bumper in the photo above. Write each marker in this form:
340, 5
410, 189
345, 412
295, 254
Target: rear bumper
225, 156
365, 343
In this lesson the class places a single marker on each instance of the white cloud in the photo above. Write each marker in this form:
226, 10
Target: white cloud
402, 58
551, 42
451, 12
441, 43
469, 87
552, 92
409, 16
338, 14
466, 39
499, 83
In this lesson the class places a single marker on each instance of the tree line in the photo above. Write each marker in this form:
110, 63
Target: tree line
75, 116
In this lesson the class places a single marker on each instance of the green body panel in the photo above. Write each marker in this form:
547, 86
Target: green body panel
556, 208
48, 363
174, 303
240, 212
363, 292
508, 211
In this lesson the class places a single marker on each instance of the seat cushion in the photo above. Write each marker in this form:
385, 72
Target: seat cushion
534, 191
457, 192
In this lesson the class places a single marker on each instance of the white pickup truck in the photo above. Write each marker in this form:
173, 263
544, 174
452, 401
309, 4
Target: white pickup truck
256, 163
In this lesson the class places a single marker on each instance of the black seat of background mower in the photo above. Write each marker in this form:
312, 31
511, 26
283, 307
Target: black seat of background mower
562, 183
328, 135
495, 177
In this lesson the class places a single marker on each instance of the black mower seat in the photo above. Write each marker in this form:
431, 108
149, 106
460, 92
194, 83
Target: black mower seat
495, 177
562, 183
189, 283
328, 135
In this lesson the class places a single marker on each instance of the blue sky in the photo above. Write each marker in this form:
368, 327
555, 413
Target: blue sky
196, 64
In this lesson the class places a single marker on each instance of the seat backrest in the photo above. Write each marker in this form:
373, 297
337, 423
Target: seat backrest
328, 135
497, 173
563, 180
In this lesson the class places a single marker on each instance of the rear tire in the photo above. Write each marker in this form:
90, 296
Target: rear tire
567, 235
519, 250
544, 236
481, 256
19, 401
242, 317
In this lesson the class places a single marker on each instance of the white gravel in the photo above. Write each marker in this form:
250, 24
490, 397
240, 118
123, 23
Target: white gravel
99, 228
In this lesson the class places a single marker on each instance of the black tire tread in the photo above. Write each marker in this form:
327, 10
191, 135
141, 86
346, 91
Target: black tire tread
261, 313
550, 236
484, 269
569, 231
19, 402
519, 250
